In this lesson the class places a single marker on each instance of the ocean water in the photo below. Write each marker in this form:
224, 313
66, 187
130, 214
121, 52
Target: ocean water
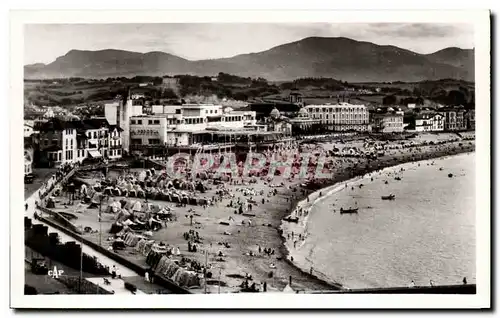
426, 233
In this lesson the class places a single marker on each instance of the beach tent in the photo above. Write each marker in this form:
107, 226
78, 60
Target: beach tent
115, 228
83, 189
108, 190
114, 207
141, 193
137, 206
122, 216
288, 289
142, 176
50, 203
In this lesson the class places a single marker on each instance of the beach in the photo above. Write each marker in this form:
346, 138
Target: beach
233, 245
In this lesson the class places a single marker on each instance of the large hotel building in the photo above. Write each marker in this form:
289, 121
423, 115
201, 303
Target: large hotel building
341, 117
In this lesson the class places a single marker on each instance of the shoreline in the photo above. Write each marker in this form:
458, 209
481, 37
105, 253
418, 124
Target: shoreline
331, 187
266, 223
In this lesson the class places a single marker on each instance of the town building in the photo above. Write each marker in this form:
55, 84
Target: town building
278, 123
263, 109
28, 127
387, 120
341, 117
429, 121
295, 97
454, 118
73, 141
28, 156
159, 126
470, 119
302, 123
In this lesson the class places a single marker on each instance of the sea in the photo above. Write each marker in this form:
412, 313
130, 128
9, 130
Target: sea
426, 233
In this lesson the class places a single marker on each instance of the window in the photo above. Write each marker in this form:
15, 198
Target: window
132, 121
136, 141
211, 111
60, 154
154, 141
150, 122
157, 122
118, 151
95, 135
139, 122
54, 142
46, 142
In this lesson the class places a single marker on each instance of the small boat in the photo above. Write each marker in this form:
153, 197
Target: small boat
388, 197
441, 169
397, 178
386, 182
344, 211
450, 175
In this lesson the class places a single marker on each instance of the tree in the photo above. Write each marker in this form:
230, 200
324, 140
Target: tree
390, 100
456, 98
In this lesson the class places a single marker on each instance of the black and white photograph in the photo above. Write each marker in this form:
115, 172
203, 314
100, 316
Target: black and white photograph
251, 160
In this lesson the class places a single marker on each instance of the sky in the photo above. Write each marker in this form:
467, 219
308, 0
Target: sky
195, 41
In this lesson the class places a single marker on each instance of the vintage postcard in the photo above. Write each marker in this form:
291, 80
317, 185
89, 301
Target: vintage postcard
250, 159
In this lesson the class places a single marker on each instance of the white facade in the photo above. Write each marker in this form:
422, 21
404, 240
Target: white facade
174, 124
341, 117
388, 122
69, 145
28, 130
148, 130
429, 122
111, 112
115, 143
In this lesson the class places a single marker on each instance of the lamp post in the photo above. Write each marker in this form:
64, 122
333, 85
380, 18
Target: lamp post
100, 217
81, 261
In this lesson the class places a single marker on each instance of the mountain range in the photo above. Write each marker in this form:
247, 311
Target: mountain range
340, 58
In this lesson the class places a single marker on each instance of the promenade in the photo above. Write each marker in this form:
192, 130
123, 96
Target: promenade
117, 284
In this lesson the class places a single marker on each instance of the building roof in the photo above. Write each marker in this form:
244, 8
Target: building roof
56, 124
427, 115
275, 113
53, 148
113, 127
95, 123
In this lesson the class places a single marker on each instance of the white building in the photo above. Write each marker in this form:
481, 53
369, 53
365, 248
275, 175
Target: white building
179, 125
341, 117
72, 141
429, 121
388, 120
28, 127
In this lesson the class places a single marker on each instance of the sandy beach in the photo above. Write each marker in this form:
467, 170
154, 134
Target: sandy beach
243, 238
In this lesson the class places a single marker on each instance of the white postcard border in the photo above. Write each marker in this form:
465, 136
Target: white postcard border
479, 18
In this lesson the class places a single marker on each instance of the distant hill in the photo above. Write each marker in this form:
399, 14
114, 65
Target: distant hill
454, 56
340, 58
